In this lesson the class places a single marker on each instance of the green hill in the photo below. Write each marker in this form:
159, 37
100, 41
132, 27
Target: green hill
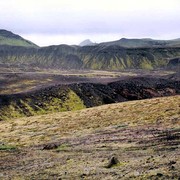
8, 38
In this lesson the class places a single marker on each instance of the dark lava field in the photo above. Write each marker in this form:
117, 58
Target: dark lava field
31, 93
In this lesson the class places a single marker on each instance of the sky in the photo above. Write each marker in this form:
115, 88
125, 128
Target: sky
53, 22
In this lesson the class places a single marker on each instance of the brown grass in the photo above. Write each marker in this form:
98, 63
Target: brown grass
143, 135
38, 129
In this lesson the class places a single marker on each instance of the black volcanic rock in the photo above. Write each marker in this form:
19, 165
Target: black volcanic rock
89, 93
174, 63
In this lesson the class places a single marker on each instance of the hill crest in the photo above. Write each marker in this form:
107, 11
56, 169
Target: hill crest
11, 39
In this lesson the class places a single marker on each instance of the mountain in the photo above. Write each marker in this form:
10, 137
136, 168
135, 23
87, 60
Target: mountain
9, 38
136, 54
88, 57
86, 42
146, 42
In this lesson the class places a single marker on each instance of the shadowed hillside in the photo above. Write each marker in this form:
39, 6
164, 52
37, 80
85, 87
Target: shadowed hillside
174, 64
87, 57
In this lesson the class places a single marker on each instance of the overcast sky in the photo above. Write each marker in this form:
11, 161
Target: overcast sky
47, 22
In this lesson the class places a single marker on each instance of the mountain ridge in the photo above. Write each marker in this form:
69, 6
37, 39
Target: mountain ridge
88, 57
107, 56
144, 42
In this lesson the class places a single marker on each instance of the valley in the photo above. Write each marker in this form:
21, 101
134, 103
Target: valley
97, 111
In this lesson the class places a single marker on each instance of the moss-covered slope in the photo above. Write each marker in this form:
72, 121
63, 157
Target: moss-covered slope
88, 57
42, 102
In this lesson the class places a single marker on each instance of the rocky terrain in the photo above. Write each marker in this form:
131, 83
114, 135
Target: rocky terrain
28, 94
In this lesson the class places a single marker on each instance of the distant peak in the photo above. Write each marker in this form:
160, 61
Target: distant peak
86, 42
123, 39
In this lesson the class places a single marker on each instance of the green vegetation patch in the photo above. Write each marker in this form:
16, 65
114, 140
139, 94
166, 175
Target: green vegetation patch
63, 100
15, 42
63, 147
73, 102
4, 147
145, 64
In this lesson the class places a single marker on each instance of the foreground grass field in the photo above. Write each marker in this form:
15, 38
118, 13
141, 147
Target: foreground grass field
143, 135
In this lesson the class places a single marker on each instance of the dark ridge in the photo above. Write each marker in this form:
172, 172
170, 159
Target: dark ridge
9, 34
90, 94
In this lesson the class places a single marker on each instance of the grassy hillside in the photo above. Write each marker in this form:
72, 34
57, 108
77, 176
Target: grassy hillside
164, 110
142, 135
8, 38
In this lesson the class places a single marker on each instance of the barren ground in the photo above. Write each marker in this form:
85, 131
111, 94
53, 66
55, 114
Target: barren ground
14, 81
